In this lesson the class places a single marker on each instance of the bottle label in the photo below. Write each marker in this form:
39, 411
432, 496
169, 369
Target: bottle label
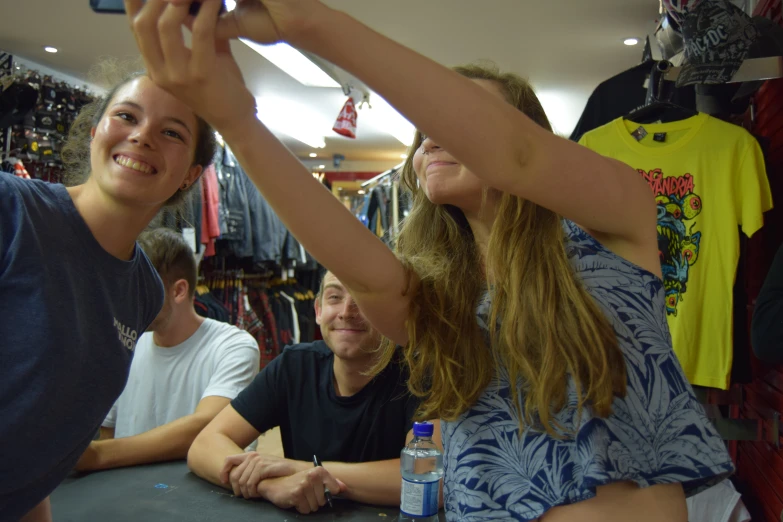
419, 499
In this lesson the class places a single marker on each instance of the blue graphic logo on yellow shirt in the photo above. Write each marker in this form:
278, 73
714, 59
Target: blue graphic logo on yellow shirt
678, 244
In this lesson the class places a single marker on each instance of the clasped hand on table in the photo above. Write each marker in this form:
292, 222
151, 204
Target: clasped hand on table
284, 482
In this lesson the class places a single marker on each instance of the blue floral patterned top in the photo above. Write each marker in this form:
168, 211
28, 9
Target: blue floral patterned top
657, 434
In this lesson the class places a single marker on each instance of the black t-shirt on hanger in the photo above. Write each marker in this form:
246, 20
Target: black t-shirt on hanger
296, 392
621, 94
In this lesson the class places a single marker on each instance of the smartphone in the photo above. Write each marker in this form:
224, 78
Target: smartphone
117, 6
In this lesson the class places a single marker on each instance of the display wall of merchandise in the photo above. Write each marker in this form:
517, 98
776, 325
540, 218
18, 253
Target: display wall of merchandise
38, 111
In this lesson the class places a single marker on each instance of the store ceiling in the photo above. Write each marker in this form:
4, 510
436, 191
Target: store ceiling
565, 47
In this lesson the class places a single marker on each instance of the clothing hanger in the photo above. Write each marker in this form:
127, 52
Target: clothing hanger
658, 107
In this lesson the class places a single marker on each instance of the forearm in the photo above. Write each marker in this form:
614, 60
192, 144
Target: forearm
208, 454
279, 176
168, 442
377, 483
458, 114
467, 120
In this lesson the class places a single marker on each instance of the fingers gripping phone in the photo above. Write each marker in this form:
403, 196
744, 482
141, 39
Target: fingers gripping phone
117, 6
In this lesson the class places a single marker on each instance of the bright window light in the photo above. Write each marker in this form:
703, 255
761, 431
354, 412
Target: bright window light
293, 119
293, 63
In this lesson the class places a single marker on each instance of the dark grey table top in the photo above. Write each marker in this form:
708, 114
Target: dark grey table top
170, 493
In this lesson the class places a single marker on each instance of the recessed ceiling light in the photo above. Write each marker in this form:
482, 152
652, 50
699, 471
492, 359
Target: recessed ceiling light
631, 41
313, 155
50, 49
321, 166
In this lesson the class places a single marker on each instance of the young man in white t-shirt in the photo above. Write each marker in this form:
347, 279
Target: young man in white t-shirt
185, 370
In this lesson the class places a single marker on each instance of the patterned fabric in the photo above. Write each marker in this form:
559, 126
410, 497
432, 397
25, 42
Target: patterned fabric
658, 433
270, 347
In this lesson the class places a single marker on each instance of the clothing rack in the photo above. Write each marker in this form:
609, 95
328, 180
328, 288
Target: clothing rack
240, 276
764, 428
382, 175
394, 199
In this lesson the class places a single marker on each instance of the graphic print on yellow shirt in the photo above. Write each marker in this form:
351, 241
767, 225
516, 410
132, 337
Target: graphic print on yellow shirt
707, 177
678, 238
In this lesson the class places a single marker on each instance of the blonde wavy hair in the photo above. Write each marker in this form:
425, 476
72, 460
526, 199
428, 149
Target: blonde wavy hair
549, 327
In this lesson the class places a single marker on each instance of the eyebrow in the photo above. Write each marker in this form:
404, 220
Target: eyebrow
169, 118
333, 286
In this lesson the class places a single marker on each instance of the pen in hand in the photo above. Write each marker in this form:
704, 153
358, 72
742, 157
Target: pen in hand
327, 493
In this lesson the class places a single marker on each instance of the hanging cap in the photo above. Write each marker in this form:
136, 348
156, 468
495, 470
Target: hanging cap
718, 36
423, 429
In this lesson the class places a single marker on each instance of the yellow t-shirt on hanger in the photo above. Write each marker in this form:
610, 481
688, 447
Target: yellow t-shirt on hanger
707, 177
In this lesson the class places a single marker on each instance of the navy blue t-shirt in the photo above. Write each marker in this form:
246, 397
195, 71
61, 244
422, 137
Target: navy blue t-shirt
70, 314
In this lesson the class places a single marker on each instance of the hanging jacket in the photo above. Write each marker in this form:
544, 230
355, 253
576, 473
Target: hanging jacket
267, 232
234, 204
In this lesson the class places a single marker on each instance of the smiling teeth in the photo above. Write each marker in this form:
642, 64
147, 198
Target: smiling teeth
133, 164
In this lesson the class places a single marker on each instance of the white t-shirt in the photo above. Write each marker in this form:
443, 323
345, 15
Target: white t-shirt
166, 384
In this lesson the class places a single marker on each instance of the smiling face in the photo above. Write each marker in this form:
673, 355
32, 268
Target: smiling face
345, 330
143, 146
442, 178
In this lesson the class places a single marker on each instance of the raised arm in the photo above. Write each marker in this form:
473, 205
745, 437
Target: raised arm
599, 193
207, 78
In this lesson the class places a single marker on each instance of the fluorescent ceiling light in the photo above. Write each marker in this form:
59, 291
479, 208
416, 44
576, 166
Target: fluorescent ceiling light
293, 119
631, 41
50, 49
385, 118
293, 63
289, 60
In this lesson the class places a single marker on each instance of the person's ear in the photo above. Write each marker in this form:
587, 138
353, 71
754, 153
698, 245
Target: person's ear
318, 310
193, 174
92, 133
181, 291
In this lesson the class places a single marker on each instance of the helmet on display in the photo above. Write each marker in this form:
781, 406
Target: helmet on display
677, 9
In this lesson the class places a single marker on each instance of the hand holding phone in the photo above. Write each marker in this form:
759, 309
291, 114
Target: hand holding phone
117, 7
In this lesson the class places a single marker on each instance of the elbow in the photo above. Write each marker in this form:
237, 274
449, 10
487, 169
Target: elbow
194, 454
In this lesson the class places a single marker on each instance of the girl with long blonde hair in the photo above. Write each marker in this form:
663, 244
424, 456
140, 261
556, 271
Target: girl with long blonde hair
526, 288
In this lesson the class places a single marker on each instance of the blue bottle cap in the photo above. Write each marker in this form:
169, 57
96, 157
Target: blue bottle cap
423, 429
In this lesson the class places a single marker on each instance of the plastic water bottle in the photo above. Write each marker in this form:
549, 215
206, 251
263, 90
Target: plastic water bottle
421, 465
